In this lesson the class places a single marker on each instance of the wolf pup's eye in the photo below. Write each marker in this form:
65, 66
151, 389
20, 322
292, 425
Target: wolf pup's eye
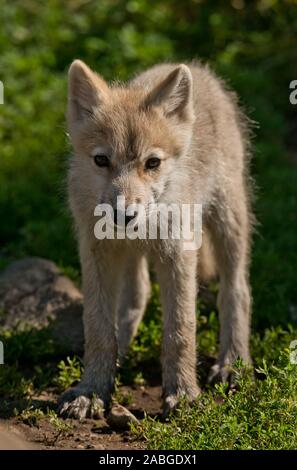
101, 160
152, 163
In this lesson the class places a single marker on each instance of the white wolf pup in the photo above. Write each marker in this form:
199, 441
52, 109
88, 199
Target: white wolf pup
173, 134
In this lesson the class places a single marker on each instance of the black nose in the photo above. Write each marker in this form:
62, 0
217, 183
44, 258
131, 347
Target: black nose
127, 218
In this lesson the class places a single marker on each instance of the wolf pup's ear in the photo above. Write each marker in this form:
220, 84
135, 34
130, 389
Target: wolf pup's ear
174, 94
86, 91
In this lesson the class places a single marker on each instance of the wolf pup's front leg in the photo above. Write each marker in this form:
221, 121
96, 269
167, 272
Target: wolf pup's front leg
177, 277
91, 396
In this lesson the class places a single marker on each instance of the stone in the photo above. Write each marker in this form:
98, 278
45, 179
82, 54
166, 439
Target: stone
119, 418
33, 292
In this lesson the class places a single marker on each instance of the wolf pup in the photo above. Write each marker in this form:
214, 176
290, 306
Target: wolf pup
171, 134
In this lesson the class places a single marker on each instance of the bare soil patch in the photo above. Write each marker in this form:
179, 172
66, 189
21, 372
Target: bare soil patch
85, 434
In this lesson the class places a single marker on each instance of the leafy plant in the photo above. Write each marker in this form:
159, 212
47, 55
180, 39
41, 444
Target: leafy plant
69, 372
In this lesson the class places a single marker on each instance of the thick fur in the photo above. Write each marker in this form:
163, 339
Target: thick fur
185, 115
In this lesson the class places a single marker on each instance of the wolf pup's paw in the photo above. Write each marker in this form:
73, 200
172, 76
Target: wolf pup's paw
228, 373
79, 404
172, 402
221, 373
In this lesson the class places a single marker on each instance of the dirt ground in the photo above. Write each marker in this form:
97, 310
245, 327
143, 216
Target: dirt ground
85, 434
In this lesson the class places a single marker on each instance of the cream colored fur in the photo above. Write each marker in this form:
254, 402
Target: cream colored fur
184, 114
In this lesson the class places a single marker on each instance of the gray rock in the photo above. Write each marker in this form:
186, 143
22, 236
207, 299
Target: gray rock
33, 292
119, 418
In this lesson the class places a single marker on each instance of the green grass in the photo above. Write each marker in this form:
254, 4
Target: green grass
261, 415
38, 41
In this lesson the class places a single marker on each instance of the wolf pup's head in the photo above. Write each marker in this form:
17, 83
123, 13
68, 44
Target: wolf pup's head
127, 140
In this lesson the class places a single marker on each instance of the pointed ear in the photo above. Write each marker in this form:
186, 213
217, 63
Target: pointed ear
86, 91
174, 94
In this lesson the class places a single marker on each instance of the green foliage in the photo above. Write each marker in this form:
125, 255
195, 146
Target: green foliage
25, 349
13, 383
123, 398
31, 415
261, 415
69, 372
27, 344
